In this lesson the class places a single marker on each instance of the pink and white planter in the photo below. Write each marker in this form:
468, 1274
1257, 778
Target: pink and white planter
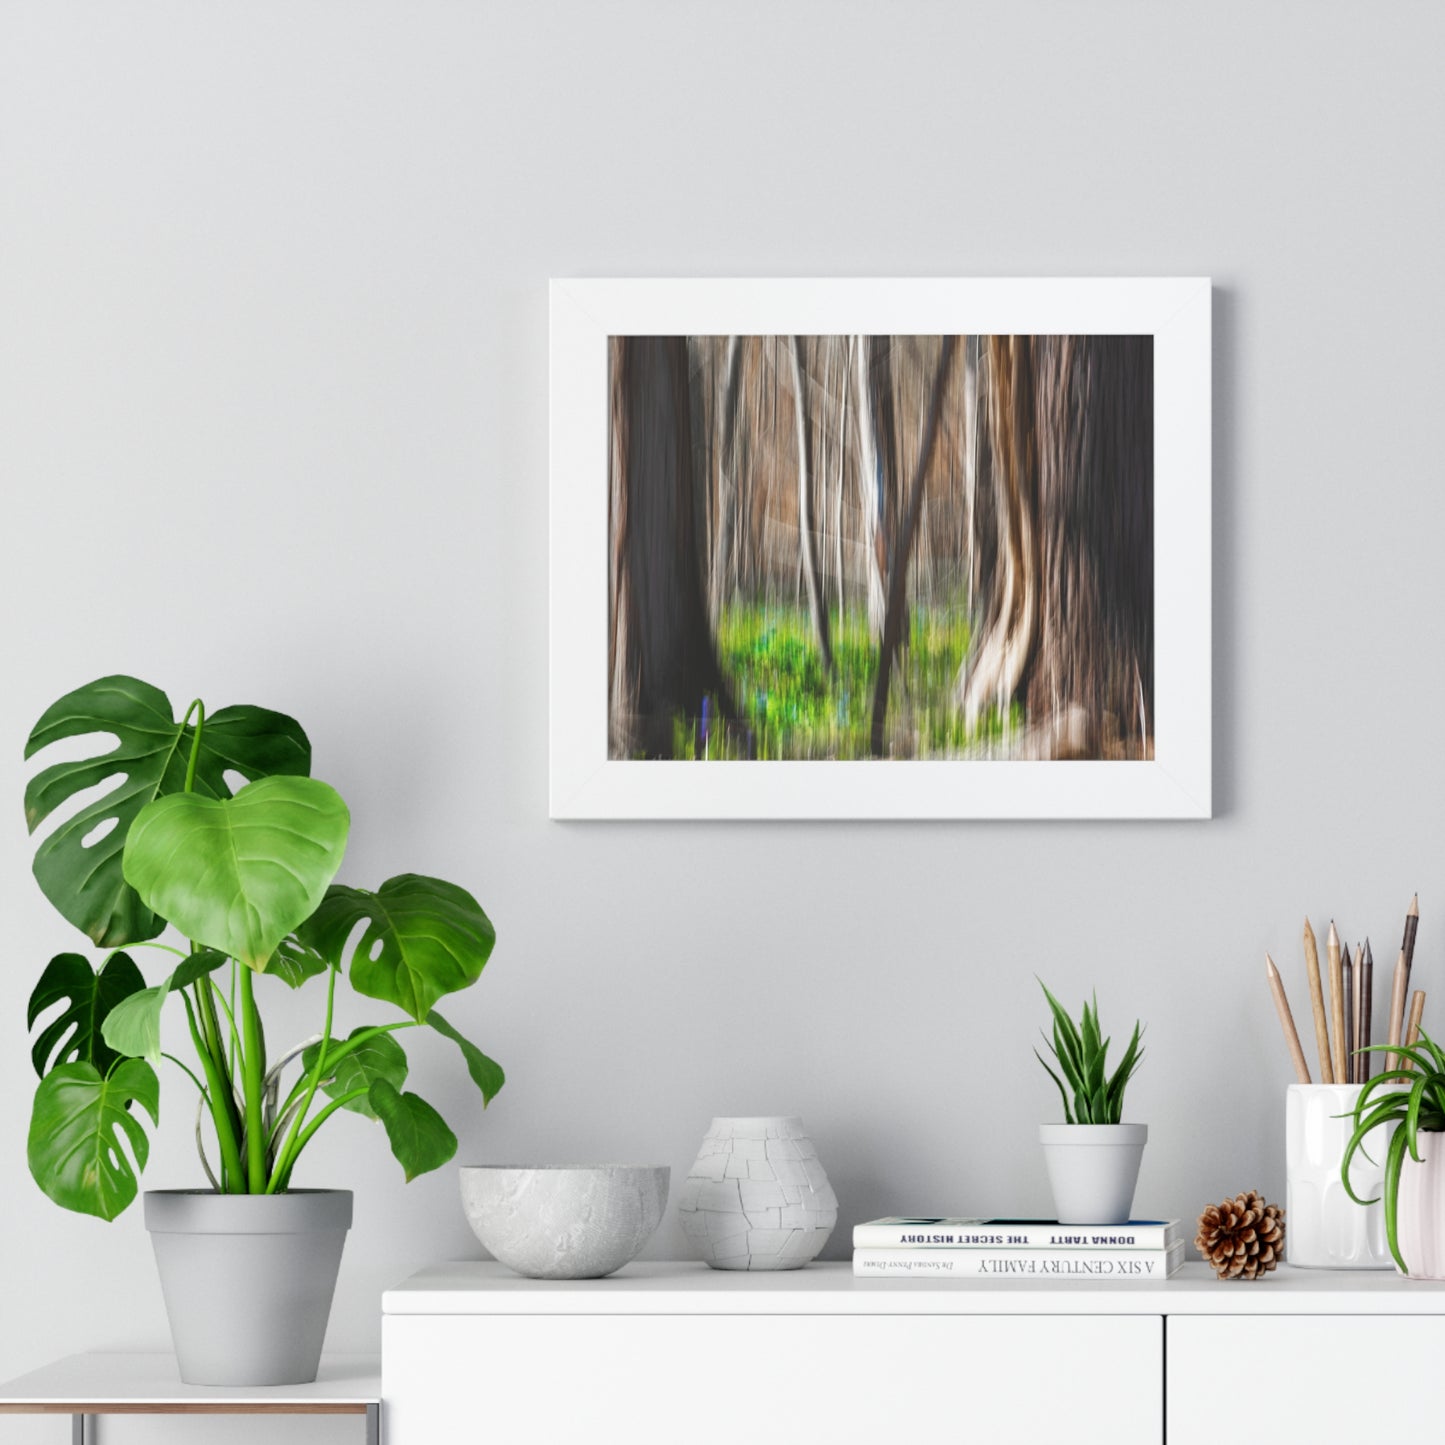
1420, 1223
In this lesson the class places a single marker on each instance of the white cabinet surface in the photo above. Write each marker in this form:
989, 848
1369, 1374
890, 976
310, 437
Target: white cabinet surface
1313, 1379
772, 1379
666, 1353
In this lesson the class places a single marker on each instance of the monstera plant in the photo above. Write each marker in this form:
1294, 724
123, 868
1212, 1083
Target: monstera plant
213, 826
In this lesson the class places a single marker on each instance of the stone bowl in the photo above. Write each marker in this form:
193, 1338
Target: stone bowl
559, 1222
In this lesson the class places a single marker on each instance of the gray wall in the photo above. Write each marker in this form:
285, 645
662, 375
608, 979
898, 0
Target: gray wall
273, 405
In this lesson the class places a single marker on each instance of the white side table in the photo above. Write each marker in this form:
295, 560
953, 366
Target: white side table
83, 1386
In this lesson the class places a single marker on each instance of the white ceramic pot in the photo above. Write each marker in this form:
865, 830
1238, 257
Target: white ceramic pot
1326, 1229
550, 1222
248, 1280
1093, 1169
1420, 1225
757, 1197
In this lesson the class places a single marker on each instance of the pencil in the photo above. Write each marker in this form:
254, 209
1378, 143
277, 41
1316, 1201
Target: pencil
1397, 1011
1317, 1002
1407, 945
1417, 1011
1367, 1011
1337, 1004
1347, 984
1358, 1037
1286, 1021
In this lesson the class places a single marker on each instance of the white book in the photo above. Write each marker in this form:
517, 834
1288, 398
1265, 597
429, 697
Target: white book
923, 1232
1060, 1264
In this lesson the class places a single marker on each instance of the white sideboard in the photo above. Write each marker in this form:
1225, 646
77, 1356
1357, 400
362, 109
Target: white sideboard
666, 1352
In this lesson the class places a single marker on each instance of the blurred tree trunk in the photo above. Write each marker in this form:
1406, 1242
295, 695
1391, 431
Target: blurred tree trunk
807, 532
663, 659
723, 571
896, 614
1064, 533
838, 562
875, 454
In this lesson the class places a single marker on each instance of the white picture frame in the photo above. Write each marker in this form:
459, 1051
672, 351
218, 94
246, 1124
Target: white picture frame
586, 784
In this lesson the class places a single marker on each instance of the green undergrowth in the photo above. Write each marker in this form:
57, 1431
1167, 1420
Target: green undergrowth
792, 709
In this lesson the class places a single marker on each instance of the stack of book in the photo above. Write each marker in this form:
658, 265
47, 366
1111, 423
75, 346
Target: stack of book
901, 1248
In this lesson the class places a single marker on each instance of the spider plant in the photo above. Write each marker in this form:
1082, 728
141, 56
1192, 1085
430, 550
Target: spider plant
1081, 1052
1415, 1110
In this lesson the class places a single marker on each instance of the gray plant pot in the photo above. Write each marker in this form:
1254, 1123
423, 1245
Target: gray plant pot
1093, 1169
248, 1280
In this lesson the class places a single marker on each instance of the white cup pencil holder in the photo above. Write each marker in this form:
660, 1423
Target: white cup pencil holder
1326, 1229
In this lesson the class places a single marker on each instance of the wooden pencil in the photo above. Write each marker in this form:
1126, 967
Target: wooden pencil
1317, 1002
1397, 1011
1337, 1004
1286, 1021
1417, 1015
1412, 1032
1347, 985
1357, 1037
1366, 1012
1407, 944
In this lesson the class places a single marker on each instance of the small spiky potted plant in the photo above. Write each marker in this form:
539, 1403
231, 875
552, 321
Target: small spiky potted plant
1408, 1102
246, 878
1093, 1157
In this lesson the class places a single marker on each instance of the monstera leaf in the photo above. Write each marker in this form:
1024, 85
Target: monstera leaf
380, 1057
418, 1135
78, 1128
133, 1028
238, 874
151, 754
90, 997
295, 961
486, 1073
423, 938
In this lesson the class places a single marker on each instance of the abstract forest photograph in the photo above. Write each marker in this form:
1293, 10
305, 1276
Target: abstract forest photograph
881, 547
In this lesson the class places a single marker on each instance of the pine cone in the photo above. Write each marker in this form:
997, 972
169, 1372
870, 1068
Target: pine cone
1243, 1237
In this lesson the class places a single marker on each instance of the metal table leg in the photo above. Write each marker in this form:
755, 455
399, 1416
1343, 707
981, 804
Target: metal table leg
373, 1425
80, 1433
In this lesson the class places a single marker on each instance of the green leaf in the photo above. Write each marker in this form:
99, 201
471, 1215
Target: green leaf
1416, 1056
419, 1135
1128, 1067
1068, 1047
91, 996
134, 1026
1435, 1051
239, 874
1068, 1112
78, 1129
1394, 1159
197, 965
379, 1057
423, 938
486, 1073
294, 962
152, 750
1090, 1033
1390, 1109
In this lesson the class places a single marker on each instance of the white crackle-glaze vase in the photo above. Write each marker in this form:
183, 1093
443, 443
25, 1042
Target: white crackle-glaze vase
1326, 1229
1420, 1226
757, 1197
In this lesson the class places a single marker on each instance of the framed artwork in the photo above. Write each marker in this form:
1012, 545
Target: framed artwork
880, 548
